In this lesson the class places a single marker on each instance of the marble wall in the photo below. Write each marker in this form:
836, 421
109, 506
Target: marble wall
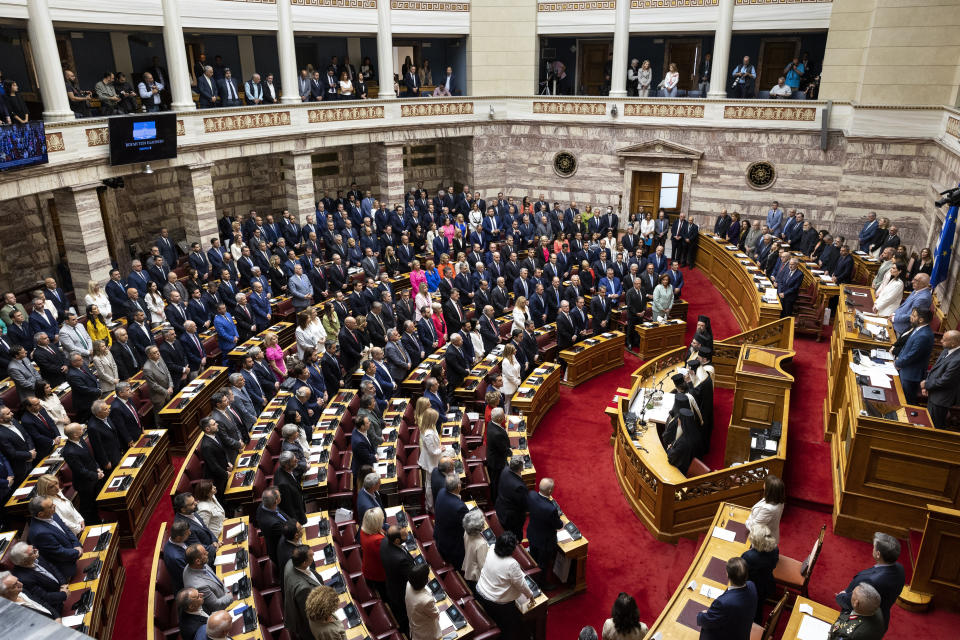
28, 250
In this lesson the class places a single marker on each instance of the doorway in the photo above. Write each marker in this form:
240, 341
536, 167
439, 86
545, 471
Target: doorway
775, 54
593, 58
400, 55
687, 53
645, 192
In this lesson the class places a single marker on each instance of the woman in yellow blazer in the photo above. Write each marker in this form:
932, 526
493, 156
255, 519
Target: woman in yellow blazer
97, 326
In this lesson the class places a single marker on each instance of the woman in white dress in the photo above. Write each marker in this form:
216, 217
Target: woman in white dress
669, 82
890, 293
768, 511
510, 368
155, 304
647, 226
420, 301
96, 295
476, 218
306, 339
520, 314
316, 328
208, 507
429, 450
48, 486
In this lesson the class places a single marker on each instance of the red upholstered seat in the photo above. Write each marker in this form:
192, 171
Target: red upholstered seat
483, 627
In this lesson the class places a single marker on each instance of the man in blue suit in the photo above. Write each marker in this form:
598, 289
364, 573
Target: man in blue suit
227, 335
432, 394
842, 271
730, 617
175, 552
363, 451
42, 320
658, 260
867, 232
886, 576
920, 298
370, 375
48, 533
369, 496
788, 286
448, 527
914, 357
676, 279
543, 526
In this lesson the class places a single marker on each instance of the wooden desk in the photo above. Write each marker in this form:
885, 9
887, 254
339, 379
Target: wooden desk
888, 468
229, 572
106, 587
53, 464
575, 552
239, 488
845, 338
761, 399
678, 311
865, 268
591, 357
677, 621
656, 338
730, 272
285, 338
181, 416
133, 504
820, 612
538, 393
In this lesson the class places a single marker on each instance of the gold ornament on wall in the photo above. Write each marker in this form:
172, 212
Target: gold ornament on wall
564, 164
761, 175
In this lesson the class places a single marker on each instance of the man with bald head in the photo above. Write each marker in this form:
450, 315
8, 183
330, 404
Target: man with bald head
542, 527
942, 386
921, 297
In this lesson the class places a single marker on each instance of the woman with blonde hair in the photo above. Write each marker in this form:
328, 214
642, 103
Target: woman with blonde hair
521, 314
644, 79
274, 355
315, 327
371, 535
48, 486
418, 278
97, 325
423, 403
761, 559
104, 366
430, 449
97, 296
669, 82
510, 367
321, 605
439, 324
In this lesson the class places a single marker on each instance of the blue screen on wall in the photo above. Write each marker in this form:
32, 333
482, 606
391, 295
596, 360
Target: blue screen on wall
142, 138
22, 145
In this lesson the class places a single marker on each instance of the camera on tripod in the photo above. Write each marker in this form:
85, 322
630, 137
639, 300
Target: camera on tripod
950, 197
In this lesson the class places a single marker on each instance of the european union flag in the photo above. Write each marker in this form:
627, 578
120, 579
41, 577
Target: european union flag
941, 259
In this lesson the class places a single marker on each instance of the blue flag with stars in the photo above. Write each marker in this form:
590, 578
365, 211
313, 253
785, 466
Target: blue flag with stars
941, 259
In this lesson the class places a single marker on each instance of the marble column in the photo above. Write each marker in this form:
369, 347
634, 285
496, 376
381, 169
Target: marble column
84, 240
384, 50
721, 51
197, 204
46, 59
621, 45
298, 190
289, 84
176, 52
388, 160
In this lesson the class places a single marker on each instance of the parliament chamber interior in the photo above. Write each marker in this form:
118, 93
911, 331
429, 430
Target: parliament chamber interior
565, 320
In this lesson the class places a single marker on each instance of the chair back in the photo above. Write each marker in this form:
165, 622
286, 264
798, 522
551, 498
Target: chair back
774, 618
807, 568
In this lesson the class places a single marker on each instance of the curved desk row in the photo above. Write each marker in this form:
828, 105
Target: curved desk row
672, 505
733, 273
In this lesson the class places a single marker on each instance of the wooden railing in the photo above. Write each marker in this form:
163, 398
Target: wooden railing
777, 334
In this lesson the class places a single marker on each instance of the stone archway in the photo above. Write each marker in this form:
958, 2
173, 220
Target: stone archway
660, 156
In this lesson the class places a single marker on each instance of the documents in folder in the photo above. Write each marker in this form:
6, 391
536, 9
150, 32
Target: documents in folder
813, 629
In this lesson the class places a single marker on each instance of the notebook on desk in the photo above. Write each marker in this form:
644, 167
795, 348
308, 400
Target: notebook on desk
688, 616
716, 570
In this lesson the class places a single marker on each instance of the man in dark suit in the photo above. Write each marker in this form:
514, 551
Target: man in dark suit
270, 520
52, 537
886, 576
227, 90
636, 306
17, 446
489, 330
914, 357
678, 231
192, 348
41, 427
140, 336
85, 386
788, 286
190, 617
412, 82
397, 564
600, 309
363, 451
171, 350
730, 616
942, 386
351, 345
566, 330
449, 510
108, 442
456, 363
41, 580
215, 456
175, 552
542, 528
291, 503
298, 579
511, 504
842, 271
87, 475
498, 450
330, 366
185, 509
42, 319
208, 89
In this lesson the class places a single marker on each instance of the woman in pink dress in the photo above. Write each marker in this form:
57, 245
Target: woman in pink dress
449, 230
417, 278
274, 355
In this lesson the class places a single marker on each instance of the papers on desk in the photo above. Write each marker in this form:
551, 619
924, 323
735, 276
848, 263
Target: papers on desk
770, 445
813, 629
22, 491
188, 394
39, 471
825, 278
233, 531
710, 592
391, 512
129, 462
226, 558
312, 471
72, 621
881, 354
770, 295
382, 469
805, 608
724, 534
741, 255
314, 520
473, 416
315, 457
116, 482
859, 294
564, 536
658, 414
232, 579
327, 574
880, 380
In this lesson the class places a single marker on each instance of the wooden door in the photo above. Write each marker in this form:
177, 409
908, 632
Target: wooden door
775, 53
593, 58
687, 53
645, 192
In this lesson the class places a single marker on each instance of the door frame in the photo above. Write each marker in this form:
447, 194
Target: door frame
660, 156
634, 175
698, 57
576, 73
763, 44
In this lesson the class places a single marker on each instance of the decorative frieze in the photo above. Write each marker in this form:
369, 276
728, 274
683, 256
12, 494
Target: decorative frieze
341, 114
663, 110
338, 4
589, 5
571, 108
953, 128
436, 109
219, 124
785, 113
415, 5
55, 142
610, 5
181, 128
256, 1
98, 137
671, 4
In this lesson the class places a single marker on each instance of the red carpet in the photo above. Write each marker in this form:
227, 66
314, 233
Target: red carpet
572, 446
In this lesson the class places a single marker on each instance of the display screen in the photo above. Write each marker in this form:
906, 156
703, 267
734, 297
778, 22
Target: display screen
142, 138
22, 145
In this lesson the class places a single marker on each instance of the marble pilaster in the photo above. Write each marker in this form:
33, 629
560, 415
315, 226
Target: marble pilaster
197, 203
84, 240
298, 192
388, 159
